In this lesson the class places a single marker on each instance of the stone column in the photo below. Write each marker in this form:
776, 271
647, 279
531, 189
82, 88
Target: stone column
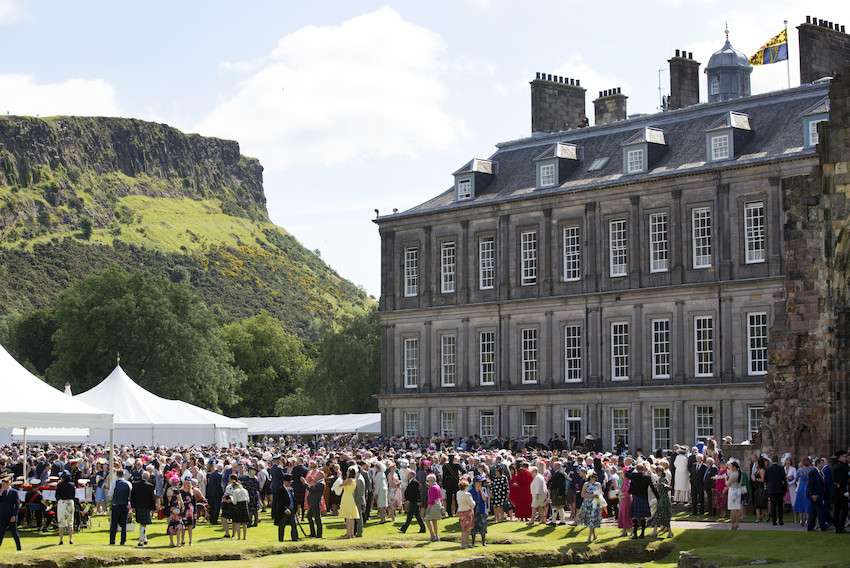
727, 353
426, 261
591, 261
548, 381
464, 352
677, 241
426, 381
595, 340
546, 250
634, 249
506, 359
637, 364
681, 345
466, 270
503, 245
724, 227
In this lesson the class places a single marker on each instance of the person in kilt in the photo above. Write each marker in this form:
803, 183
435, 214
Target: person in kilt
640, 485
143, 501
253, 487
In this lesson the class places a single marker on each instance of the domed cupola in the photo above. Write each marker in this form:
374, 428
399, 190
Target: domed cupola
728, 73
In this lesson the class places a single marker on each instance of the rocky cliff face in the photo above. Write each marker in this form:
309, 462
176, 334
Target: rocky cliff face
54, 162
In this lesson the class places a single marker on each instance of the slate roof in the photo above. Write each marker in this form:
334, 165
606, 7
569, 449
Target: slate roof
777, 119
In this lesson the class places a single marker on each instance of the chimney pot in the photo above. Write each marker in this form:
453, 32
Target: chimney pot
550, 77
820, 23
677, 53
600, 94
578, 83
538, 74
619, 91
690, 55
842, 28
808, 19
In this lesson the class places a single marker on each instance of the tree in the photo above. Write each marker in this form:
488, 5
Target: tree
86, 227
168, 340
31, 339
348, 367
272, 359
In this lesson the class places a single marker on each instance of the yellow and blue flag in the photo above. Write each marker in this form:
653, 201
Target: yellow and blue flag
774, 50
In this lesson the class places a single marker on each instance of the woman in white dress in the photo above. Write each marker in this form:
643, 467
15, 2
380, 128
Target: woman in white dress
682, 485
791, 476
733, 491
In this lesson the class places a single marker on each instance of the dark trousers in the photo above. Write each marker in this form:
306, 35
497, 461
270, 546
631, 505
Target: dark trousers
314, 517
841, 509
118, 519
697, 499
299, 504
367, 510
215, 509
709, 496
287, 521
12, 525
819, 513
413, 513
777, 507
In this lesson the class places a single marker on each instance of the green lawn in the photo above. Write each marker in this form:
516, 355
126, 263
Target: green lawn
509, 544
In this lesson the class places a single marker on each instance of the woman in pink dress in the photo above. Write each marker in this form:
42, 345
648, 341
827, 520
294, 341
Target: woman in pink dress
624, 521
720, 498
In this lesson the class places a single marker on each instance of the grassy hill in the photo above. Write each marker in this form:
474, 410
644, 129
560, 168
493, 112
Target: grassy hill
79, 194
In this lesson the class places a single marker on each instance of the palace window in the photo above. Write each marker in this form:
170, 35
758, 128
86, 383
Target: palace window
529, 355
487, 424
704, 422
411, 363
658, 242
635, 161
447, 267
528, 246
618, 242
487, 352
757, 343
411, 271
754, 229
572, 253
486, 263
572, 353
701, 226
547, 175
620, 351
704, 346
720, 147
448, 421
661, 349
661, 427
529, 423
620, 425
448, 358
411, 424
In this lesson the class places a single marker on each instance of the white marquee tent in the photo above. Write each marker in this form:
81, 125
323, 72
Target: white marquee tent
142, 418
369, 423
30, 402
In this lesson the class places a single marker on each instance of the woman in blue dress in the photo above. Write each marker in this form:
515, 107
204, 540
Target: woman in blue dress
802, 504
590, 515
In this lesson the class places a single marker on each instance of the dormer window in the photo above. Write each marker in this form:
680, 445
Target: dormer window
811, 118
720, 147
634, 161
727, 136
472, 178
643, 150
547, 175
556, 163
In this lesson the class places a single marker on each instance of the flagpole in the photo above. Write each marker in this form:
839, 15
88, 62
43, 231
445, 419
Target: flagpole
788, 59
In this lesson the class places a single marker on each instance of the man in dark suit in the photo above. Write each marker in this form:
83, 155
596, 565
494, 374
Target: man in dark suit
276, 481
10, 504
708, 485
411, 497
299, 488
698, 486
840, 474
314, 504
776, 484
215, 491
285, 511
120, 493
816, 491
143, 501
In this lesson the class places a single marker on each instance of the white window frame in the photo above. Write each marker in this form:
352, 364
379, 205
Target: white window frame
572, 253
635, 161
448, 260
720, 149
486, 263
448, 423
411, 271
487, 358
661, 352
528, 251
755, 413
572, 354
714, 86
619, 425
703, 422
530, 427
757, 336
620, 351
661, 431
448, 360
814, 139
487, 424
701, 236
547, 175
411, 424
411, 362
618, 239
754, 232
704, 346
573, 416
530, 366
658, 242
464, 189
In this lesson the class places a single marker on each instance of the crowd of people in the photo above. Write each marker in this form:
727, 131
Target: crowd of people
422, 481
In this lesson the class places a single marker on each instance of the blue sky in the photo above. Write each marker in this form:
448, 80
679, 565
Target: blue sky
356, 106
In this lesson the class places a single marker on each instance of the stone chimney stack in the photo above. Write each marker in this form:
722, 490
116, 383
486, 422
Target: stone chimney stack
557, 103
824, 49
610, 106
684, 80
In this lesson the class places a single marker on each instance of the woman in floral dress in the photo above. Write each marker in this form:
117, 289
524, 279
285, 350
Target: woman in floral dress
174, 506
188, 514
590, 515
664, 510
499, 494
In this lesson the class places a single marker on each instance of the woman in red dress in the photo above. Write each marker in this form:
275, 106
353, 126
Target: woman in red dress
523, 502
513, 491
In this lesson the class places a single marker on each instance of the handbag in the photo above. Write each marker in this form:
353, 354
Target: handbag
602, 502
614, 491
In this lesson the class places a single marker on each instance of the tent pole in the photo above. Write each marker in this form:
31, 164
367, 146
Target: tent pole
111, 458
26, 463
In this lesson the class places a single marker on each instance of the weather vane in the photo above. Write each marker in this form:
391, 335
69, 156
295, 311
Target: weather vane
727, 31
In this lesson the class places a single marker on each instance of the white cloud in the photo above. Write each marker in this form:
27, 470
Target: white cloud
10, 12
20, 94
370, 87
